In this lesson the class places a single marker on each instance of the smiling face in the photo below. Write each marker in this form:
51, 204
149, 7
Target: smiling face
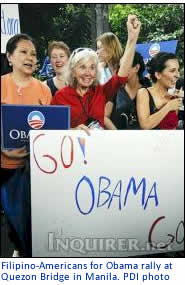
58, 59
85, 72
170, 74
23, 58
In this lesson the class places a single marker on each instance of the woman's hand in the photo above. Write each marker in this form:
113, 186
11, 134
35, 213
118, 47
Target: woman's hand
179, 93
176, 92
133, 27
84, 128
174, 104
16, 153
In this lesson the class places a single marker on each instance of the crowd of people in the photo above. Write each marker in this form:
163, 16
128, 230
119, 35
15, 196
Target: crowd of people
105, 89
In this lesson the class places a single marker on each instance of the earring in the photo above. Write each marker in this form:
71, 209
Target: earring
10, 64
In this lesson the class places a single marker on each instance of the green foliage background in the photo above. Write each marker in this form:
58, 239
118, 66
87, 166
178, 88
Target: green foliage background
73, 23
160, 22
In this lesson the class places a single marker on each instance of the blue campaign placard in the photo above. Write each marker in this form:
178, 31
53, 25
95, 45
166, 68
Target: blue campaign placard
148, 50
18, 120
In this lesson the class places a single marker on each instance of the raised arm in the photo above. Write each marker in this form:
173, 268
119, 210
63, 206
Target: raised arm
111, 87
133, 28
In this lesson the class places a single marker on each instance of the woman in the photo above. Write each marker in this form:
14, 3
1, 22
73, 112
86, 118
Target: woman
120, 113
155, 108
19, 87
109, 52
59, 54
84, 94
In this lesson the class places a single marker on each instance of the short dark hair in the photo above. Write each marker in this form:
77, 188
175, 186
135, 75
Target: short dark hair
11, 46
158, 63
12, 42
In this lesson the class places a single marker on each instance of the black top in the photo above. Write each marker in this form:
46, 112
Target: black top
124, 115
52, 86
153, 108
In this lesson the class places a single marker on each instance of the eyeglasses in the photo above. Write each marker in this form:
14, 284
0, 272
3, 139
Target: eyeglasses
79, 50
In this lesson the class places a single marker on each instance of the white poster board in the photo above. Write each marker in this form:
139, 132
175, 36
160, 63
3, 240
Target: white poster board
111, 194
10, 24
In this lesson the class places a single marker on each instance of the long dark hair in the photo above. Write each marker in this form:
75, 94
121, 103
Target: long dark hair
138, 59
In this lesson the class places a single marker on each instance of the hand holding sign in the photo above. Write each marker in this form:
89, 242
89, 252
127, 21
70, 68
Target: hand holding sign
16, 153
83, 127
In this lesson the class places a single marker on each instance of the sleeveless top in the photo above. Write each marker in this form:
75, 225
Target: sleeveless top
52, 86
169, 122
124, 115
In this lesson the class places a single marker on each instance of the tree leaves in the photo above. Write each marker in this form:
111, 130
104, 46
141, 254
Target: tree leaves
160, 22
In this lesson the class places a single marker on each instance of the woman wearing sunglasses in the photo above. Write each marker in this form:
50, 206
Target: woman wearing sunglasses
83, 92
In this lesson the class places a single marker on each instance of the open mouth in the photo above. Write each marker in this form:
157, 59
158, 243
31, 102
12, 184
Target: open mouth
87, 80
28, 65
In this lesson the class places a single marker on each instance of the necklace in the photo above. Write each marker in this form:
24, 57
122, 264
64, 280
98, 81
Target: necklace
58, 79
19, 91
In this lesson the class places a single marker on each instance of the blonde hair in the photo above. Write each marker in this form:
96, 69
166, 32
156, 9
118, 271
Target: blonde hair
78, 56
58, 45
113, 48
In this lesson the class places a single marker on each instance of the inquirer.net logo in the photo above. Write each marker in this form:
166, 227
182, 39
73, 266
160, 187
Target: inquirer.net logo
59, 243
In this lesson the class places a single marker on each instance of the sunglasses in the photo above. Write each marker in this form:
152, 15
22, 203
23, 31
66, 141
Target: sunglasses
79, 50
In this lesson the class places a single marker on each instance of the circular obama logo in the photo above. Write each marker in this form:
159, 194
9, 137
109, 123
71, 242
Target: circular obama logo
36, 120
154, 49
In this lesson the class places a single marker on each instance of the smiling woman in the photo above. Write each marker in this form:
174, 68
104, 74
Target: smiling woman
59, 54
155, 108
83, 92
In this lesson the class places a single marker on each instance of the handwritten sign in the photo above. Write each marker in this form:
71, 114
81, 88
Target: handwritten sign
114, 193
10, 24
